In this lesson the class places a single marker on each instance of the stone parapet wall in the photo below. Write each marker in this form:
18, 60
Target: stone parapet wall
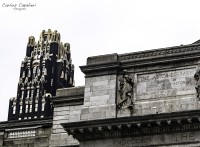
142, 84
25, 133
25, 137
164, 83
67, 108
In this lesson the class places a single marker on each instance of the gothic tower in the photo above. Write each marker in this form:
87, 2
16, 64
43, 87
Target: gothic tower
46, 67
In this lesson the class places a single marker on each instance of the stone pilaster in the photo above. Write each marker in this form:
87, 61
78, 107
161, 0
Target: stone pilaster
100, 87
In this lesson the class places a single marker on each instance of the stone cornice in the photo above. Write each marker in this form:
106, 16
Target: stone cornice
73, 91
136, 125
69, 96
44, 122
67, 100
100, 69
111, 64
175, 54
162, 52
101, 65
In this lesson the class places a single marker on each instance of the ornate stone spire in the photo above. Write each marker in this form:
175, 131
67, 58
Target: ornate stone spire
46, 67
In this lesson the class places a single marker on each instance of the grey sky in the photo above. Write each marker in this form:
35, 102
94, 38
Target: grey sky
92, 27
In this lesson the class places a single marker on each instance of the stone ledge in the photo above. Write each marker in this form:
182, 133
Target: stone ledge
112, 63
101, 65
69, 97
67, 101
45, 122
136, 125
102, 59
162, 52
108, 68
62, 101
73, 91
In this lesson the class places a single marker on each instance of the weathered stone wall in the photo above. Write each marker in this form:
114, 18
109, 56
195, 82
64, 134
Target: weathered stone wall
151, 82
100, 87
67, 108
184, 139
25, 133
98, 102
163, 80
59, 136
23, 138
168, 91
99, 98
158, 88
1, 138
164, 91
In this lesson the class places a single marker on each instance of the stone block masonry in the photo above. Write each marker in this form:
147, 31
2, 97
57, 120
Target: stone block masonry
148, 98
100, 87
59, 136
68, 105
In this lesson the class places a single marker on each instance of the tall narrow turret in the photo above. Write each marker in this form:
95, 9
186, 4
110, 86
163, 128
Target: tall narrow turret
46, 67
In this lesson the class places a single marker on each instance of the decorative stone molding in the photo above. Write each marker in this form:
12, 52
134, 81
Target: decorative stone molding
21, 134
45, 122
101, 65
137, 126
68, 97
161, 52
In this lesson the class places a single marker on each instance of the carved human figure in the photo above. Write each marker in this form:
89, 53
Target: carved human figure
125, 90
197, 85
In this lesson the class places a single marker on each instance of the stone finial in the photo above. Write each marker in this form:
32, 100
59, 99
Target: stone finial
55, 36
49, 34
67, 47
42, 36
31, 41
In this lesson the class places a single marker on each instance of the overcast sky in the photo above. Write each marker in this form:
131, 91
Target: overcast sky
92, 27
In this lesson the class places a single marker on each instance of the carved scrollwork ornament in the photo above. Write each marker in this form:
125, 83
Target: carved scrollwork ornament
126, 84
197, 84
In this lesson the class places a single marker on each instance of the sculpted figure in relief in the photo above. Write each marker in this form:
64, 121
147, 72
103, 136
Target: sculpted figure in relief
125, 90
197, 85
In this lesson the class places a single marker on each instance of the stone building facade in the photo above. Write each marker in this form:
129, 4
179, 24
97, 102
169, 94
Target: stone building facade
148, 98
47, 66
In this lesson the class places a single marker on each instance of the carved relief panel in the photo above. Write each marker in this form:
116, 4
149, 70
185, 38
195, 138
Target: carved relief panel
197, 82
125, 91
161, 91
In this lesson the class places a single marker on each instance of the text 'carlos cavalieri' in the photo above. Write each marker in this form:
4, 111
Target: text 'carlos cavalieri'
19, 6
